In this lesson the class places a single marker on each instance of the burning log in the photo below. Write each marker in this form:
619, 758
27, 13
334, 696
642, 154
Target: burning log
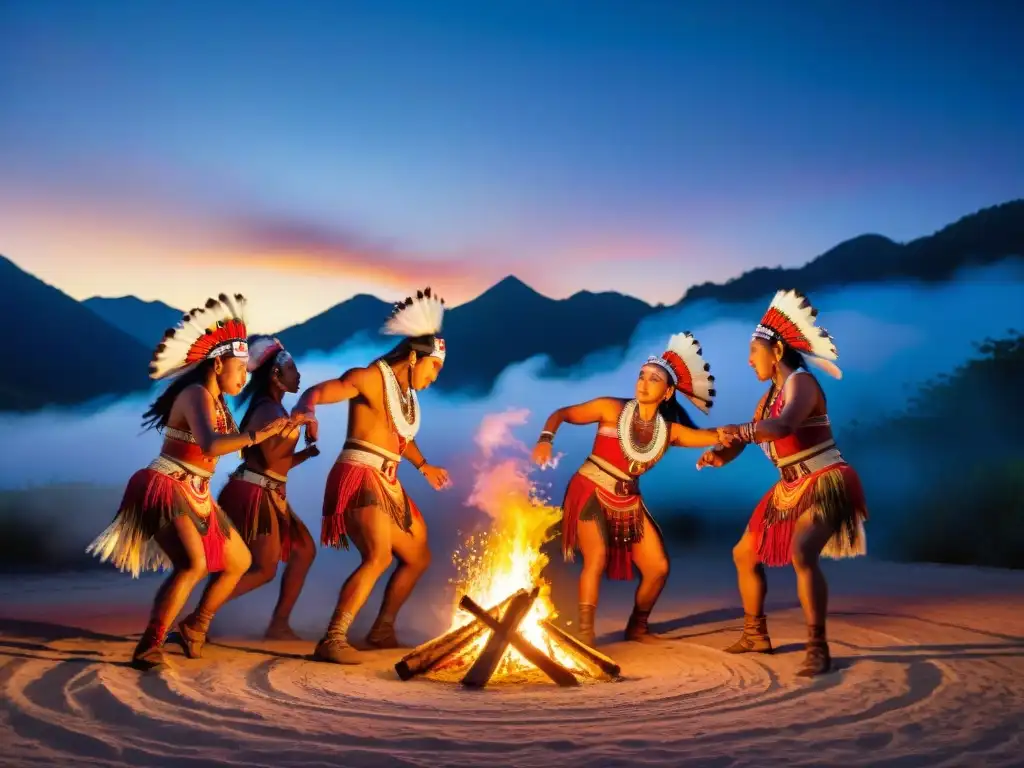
581, 650
498, 643
558, 674
424, 657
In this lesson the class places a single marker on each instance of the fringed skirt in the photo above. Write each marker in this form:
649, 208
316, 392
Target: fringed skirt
253, 500
622, 518
832, 494
363, 479
154, 498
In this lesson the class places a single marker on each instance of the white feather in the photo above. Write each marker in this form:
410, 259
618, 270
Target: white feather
798, 309
423, 317
689, 350
169, 362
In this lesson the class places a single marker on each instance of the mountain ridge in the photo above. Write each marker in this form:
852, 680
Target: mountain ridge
511, 322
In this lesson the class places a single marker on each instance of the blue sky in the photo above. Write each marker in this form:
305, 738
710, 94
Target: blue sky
303, 152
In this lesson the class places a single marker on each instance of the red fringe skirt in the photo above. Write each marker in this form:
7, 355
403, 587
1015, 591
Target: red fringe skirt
252, 508
833, 494
152, 500
351, 485
621, 518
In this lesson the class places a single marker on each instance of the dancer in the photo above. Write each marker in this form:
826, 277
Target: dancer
254, 497
603, 511
167, 517
817, 507
364, 499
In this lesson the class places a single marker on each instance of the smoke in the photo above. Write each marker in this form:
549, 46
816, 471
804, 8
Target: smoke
891, 338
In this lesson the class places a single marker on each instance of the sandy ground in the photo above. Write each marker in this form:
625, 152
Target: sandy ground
930, 671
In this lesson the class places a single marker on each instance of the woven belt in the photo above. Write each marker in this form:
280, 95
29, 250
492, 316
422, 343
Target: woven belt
256, 478
608, 477
387, 465
794, 470
166, 465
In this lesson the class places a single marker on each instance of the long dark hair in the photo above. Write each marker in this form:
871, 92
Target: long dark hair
791, 358
672, 411
257, 389
160, 409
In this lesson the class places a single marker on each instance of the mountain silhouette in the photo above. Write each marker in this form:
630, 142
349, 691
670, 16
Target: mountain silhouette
333, 327
511, 322
145, 320
59, 352
985, 237
507, 324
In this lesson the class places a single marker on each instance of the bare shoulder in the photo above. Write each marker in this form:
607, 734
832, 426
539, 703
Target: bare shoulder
366, 380
196, 395
610, 408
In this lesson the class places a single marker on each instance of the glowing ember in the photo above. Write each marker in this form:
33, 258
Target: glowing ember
507, 558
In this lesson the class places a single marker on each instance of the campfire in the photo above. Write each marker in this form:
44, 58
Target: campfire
502, 627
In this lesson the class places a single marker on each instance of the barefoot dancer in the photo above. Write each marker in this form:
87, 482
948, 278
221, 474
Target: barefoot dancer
254, 497
167, 516
817, 507
603, 511
364, 499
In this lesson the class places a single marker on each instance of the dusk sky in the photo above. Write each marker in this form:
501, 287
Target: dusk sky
303, 152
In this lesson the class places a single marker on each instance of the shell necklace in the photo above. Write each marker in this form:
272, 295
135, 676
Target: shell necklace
404, 410
640, 455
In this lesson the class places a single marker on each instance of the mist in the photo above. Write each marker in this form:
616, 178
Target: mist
890, 339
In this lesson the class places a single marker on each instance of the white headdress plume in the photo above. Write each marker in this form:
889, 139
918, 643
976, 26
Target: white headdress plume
419, 315
791, 319
215, 329
687, 370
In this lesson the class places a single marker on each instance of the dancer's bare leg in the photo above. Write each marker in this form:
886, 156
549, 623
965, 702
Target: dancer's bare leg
237, 560
652, 561
370, 531
753, 589
183, 545
809, 539
266, 554
413, 553
303, 552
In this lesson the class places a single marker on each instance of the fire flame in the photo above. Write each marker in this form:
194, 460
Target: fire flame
501, 561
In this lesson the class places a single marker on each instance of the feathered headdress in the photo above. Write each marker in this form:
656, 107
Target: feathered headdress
217, 328
262, 348
419, 315
791, 319
687, 370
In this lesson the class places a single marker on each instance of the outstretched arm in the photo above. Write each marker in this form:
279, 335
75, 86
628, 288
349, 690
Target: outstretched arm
688, 437
801, 394
594, 411
197, 406
347, 386
591, 412
338, 390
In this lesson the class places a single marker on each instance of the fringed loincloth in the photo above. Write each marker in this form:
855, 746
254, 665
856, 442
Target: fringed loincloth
600, 491
153, 499
823, 485
364, 475
252, 500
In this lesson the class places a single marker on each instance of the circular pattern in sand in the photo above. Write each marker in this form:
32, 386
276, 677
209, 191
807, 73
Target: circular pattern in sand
261, 704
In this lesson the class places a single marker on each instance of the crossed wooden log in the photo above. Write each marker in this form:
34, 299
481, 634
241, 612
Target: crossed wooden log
504, 632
